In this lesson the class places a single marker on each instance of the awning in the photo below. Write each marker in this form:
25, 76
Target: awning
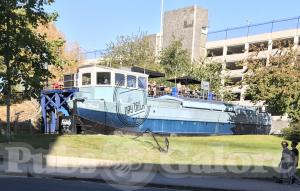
151, 73
185, 80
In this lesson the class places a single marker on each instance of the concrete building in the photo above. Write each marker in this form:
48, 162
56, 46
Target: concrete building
187, 24
230, 46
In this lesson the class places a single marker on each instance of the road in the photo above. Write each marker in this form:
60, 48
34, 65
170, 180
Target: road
12, 183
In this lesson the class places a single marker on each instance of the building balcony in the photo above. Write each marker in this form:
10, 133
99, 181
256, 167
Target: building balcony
234, 73
235, 57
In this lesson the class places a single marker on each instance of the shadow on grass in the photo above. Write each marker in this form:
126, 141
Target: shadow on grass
37, 141
42, 144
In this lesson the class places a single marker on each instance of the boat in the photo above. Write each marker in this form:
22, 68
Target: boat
117, 99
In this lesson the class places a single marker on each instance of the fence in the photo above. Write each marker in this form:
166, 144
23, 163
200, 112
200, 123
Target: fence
92, 54
18, 127
253, 29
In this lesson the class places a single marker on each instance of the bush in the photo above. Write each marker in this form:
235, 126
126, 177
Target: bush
292, 133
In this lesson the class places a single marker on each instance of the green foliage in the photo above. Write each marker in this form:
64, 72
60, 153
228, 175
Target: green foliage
175, 60
292, 133
23, 51
228, 95
277, 83
134, 50
209, 70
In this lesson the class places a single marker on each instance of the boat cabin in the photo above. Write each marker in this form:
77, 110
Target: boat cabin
99, 82
94, 75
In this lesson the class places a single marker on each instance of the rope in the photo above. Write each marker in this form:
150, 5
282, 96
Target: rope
159, 147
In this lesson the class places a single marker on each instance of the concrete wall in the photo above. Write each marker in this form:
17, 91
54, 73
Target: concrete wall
186, 24
200, 33
152, 40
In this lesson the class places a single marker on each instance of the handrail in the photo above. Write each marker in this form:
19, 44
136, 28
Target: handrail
256, 24
257, 28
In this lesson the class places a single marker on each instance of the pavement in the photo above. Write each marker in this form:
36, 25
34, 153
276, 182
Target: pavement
118, 175
15, 183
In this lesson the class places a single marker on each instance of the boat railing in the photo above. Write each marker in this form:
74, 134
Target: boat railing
190, 96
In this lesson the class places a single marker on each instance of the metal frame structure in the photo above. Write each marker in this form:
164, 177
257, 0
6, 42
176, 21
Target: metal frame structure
53, 101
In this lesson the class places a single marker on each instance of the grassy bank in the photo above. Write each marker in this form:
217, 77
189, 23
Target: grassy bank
183, 150
250, 151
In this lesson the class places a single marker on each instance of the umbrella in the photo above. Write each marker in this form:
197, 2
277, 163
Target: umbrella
151, 73
185, 80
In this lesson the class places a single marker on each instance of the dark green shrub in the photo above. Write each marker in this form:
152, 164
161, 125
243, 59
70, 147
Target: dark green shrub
292, 133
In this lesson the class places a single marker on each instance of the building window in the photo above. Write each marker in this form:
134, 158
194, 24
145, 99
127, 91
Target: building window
119, 79
142, 82
283, 43
258, 61
188, 24
103, 78
215, 52
237, 97
131, 81
204, 30
258, 46
238, 49
263, 61
86, 79
69, 80
234, 65
248, 97
233, 81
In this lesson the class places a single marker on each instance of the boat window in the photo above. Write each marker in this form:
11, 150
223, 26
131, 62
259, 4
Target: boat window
119, 79
131, 81
86, 79
142, 82
103, 78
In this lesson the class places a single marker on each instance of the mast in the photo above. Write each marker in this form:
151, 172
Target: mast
161, 23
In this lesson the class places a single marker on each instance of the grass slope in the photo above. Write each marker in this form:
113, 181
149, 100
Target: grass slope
249, 151
183, 150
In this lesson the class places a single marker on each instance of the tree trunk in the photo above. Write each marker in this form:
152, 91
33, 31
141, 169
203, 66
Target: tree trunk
8, 102
8, 97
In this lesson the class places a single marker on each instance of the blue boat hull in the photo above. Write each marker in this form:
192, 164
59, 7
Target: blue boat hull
168, 115
162, 126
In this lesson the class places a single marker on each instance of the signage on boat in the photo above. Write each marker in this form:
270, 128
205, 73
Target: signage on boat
131, 106
136, 107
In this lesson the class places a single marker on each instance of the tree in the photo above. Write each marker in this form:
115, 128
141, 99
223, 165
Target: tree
134, 50
23, 51
292, 132
175, 60
209, 70
276, 83
69, 52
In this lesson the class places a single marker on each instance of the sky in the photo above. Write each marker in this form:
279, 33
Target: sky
94, 23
